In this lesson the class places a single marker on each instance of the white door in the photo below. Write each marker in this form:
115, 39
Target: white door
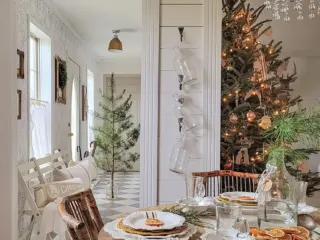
74, 107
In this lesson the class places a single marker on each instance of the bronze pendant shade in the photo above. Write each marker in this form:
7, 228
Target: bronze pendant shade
115, 44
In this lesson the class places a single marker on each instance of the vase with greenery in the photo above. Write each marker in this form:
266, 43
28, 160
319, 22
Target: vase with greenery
290, 130
116, 134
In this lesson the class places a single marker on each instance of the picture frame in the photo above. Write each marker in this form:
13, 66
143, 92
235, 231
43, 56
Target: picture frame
20, 64
19, 102
60, 94
84, 103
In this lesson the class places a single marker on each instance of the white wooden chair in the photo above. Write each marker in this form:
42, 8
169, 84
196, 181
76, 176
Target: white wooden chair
34, 171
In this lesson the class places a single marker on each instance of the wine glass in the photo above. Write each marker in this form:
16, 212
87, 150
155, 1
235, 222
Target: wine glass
241, 228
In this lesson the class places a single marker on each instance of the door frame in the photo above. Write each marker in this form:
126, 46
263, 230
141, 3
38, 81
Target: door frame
149, 103
80, 105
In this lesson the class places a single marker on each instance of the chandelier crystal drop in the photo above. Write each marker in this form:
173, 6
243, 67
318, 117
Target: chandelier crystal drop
287, 9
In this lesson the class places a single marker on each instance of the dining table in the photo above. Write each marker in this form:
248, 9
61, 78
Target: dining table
200, 230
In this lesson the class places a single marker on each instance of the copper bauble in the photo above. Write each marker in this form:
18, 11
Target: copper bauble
251, 116
265, 122
233, 118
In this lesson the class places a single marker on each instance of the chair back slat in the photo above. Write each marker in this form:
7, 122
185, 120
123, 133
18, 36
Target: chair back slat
26, 167
220, 181
30, 176
64, 157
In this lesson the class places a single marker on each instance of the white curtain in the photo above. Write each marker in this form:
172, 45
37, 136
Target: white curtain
39, 144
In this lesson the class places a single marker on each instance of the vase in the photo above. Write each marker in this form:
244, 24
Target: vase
112, 190
179, 160
278, 202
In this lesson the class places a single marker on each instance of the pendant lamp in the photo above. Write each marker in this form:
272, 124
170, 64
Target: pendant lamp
115, 44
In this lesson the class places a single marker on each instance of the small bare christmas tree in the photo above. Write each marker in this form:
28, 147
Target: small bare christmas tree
116, 134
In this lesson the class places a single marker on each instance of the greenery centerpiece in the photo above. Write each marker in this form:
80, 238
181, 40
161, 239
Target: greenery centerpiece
116, 135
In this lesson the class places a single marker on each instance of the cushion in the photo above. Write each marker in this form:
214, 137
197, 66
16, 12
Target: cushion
58, 175
71, 163
46, 193
89, 165
79, 171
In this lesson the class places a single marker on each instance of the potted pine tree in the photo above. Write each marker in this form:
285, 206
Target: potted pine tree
116, 134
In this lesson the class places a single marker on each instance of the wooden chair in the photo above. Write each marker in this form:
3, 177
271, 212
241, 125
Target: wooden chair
81, 215
220, 181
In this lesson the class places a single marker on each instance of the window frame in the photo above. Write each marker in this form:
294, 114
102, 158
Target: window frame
37, 66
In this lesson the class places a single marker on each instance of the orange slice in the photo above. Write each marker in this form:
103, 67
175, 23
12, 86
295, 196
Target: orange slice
303, 231
299, 237
286, 237
291, 230
276, 233
258, 232
264, 238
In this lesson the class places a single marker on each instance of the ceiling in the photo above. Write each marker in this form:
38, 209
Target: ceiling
94, 21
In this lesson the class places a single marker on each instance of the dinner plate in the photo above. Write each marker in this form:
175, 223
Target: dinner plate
248, 209
117, 233
137, 220
236, 196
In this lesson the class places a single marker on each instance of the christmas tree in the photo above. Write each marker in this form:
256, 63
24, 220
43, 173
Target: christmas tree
258, 121
255, 89
117, 133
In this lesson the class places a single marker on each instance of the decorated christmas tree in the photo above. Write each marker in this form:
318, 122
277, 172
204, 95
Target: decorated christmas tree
255, 88
117, 134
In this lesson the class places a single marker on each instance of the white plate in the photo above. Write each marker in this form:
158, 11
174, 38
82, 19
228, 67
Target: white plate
234, 196
115, 232
137, 220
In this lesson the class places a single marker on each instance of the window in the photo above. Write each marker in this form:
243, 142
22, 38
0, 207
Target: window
34, 67
40, 92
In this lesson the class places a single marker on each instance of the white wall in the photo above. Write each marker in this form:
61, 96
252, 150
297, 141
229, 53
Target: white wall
308, 87
8, 122
65, 43
173, 15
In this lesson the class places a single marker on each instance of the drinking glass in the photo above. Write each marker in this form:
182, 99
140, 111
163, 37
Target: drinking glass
241, 228
194, 187
226, 215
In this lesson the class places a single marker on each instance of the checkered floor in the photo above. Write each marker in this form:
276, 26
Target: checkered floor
128, 197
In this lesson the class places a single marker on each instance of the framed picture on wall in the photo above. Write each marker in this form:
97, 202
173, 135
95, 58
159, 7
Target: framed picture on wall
20, 64
61, 79
84, 103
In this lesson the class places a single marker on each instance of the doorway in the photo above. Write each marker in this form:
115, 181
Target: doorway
74, 121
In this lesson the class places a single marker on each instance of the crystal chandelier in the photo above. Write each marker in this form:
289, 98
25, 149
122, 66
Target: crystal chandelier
281, 8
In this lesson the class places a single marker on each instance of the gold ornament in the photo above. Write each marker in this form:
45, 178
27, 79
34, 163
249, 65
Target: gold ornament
251, 116
246, 28
233, 118
265, 122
